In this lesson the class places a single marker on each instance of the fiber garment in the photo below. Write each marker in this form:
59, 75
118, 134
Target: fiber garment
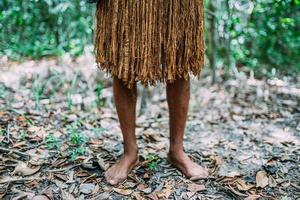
150, 40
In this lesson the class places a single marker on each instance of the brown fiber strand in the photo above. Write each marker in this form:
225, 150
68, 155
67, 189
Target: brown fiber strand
150, 40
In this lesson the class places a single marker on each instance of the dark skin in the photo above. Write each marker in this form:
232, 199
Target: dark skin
125, 100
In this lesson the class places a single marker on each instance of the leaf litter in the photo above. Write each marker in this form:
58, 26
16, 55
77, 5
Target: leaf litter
59, 132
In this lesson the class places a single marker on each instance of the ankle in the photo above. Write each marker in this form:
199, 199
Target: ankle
132, 152
176, 151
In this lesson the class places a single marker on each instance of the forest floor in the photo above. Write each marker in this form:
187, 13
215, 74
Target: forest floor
59, 132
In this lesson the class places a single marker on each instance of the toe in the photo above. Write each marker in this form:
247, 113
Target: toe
201, 173
113, 182
108, 178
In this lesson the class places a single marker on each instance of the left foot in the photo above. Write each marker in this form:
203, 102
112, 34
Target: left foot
189, 168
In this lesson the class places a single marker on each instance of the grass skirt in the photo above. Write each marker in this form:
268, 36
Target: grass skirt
150, 40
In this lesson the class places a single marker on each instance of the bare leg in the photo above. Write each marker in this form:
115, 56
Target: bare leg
178, 95
125, 100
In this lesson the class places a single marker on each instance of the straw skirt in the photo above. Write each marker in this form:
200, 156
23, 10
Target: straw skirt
150, 40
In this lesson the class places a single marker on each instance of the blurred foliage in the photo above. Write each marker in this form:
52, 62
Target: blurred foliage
38, 28
260, 34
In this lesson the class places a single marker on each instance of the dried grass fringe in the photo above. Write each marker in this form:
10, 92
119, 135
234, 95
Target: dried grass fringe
150, 40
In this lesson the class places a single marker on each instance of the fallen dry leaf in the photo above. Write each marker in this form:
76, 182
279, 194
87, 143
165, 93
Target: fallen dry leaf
272, 182
122, 191
138, 196
233, 174
242, 185
40, 197
252, 197
217, 160
33, 129
87, 188
23, 169
166, 192
262, 179
67, 195
102, 163
190, 194
193, 187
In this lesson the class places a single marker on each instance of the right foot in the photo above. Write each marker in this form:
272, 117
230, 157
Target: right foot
118, 172
188, 167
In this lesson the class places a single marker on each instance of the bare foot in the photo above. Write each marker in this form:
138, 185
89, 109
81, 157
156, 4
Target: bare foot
189, 168
119, 171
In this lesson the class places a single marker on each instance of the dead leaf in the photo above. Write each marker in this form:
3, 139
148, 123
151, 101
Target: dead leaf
189, 195
40, 197
33, 129
21, 194
147, 190
217, 160
67, 195
60, 184
272, 182
23, 169
96, 189
138, 196
193, 187
122, 191
166, 192
233, 174
19, 144
253, 197
102, 163
262, 179
87, 188
242, 185
141, 186
103, 196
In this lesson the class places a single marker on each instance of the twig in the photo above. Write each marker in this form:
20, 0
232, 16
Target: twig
295, 186
19, 179
8, 132
63, 169
14, 151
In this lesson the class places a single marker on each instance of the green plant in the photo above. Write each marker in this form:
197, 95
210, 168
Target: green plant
77, 140
22, 135
99, 100
3, 92
75, 137
153, 161
37, 91
259, 34
78, 151
98, 131
71, 91
52, 142
46, 87
1, 132
44, 28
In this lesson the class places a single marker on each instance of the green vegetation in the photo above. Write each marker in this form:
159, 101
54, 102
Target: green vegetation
71, 92
46, 87
98, 91
3, 92
38, 28
153, 161
77, 140
1, 132
52, 142
22, 135
262, 35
